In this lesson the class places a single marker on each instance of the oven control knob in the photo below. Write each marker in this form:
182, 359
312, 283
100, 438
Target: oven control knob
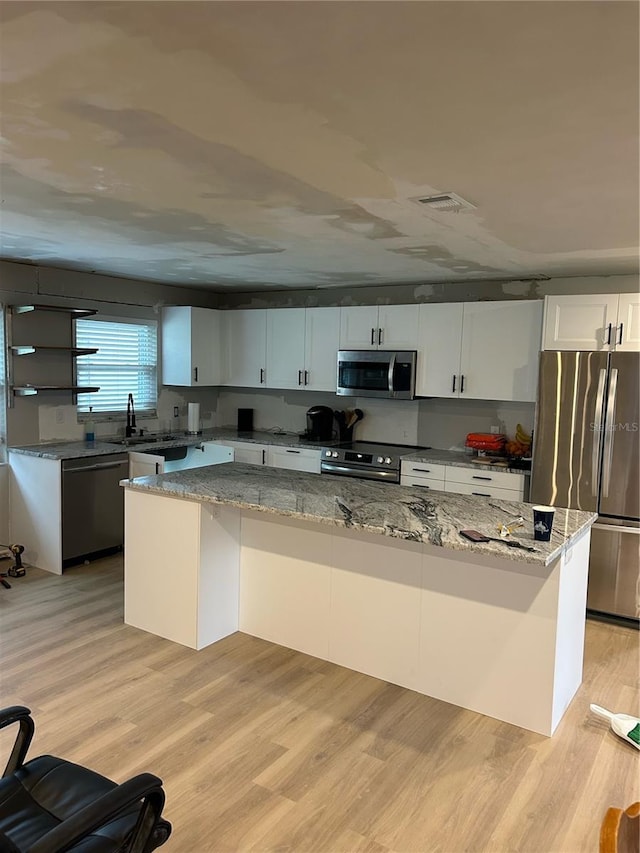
379, 459
327, 453
335, 454
387, 461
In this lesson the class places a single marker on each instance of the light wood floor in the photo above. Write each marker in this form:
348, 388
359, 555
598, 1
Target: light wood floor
265, 749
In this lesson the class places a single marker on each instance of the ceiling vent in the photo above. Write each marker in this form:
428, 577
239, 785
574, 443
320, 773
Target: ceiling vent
445, 203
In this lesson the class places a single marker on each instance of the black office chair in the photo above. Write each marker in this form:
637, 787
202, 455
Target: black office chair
48, 805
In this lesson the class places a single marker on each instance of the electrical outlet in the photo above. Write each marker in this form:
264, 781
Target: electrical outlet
175, 411
495, 430
59, 415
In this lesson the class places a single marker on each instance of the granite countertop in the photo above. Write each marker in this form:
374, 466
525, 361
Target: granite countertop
460, 459
77, 449
398, 511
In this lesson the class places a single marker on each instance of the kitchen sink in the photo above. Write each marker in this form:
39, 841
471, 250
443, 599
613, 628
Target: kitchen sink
149, 439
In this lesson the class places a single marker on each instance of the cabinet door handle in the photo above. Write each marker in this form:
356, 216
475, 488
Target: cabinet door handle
477, 477
157, 467
195, 374
373, 336
462, 384
453, 385
264, 456
293, 451
261, 375
299, 377
379, 336
481, 494
620, 337
419, 486
422, 470
609, 328
306, 377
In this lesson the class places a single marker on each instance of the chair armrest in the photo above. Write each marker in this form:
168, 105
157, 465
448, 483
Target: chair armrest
144, 787
21, 715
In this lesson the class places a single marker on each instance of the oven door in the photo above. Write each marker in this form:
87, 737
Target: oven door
377, 373
361, 472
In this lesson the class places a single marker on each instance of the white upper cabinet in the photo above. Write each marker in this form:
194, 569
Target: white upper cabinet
302, 348
359, 327
285, 347
385, 327
500, 350
191, 347
595, 322
440, 343
321, 341
479, 350
628, 331
244, 346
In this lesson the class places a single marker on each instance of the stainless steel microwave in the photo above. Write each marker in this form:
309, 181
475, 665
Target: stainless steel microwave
377, 373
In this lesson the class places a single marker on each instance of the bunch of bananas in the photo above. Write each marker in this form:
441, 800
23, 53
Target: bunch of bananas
521, 446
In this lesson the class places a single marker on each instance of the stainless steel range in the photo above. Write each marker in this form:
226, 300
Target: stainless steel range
366, 459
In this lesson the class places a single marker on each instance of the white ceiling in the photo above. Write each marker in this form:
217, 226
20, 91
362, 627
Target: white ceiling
275, 145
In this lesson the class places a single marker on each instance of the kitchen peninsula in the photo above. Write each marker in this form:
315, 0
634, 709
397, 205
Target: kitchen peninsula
370, 576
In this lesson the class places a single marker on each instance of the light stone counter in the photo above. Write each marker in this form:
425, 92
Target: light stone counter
371, 507
77, 449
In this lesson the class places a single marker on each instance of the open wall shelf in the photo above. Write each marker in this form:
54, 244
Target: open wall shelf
29, 389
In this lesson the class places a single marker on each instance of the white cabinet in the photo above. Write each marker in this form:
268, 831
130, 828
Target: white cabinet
439, 345
463, 481
294, 458
628, 337
190, 346
384, 327
142, 464
302, 348
285, 347
244, 336
485, 483
423, 475
247, 452
321, 344
479, 350
500, 350
599, 321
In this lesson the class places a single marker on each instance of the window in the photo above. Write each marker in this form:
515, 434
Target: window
126, 363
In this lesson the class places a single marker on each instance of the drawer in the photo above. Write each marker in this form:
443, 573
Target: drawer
484, 477
422, 482
484, 490
422, 469
295, 459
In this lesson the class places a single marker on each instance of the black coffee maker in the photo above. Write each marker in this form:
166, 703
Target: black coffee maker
319, 424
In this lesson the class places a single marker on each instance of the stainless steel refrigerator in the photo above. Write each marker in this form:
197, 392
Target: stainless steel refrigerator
586, 456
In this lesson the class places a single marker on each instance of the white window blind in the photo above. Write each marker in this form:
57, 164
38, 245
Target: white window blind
126, 363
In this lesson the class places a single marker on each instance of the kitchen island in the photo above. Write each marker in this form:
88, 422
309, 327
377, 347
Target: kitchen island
371, 576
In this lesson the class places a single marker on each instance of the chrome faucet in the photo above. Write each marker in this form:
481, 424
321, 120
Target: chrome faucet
131, 418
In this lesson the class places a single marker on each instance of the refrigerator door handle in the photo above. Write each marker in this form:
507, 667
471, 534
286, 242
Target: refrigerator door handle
597, 431
609, 432
617, 528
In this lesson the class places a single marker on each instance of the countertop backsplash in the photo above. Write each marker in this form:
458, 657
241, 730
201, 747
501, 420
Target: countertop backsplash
446, 423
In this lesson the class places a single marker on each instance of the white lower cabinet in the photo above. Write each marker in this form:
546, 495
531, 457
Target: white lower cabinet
143, 464
294, 459
423, 475
248, 452
464, 481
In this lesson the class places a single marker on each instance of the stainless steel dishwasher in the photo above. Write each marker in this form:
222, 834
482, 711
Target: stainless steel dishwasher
92, 505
